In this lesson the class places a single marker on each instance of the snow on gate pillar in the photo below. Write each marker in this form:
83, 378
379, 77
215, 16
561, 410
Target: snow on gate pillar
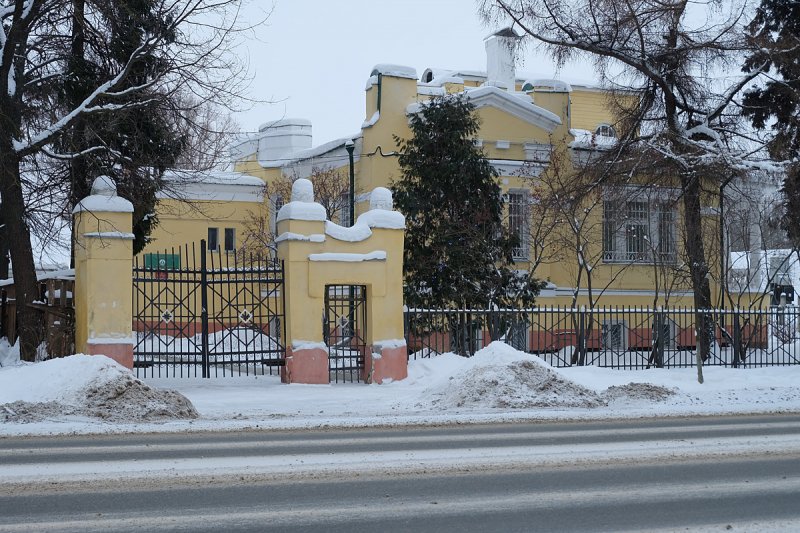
103, 282
318, 253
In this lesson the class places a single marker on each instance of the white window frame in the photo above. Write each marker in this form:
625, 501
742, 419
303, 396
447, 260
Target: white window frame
605, 130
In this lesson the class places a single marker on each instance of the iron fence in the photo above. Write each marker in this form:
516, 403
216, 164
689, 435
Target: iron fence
613, 337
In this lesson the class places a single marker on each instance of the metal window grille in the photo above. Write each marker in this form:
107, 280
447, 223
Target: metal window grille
277, 203
613, 336
645, 234
606, 130
637, 231
344, 210
609, 230
518, 223
666, 249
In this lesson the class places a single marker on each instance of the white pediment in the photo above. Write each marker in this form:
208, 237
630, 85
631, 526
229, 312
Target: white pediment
516, 105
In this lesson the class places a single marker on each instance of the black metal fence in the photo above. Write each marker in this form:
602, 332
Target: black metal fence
625, 338
207, 313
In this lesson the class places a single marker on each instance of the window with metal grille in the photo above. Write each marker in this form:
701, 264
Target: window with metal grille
277, 203
666, 247
639, 230
636, 231
230, 240
614, 335
213, 239
518, 223
606, 130
344, 210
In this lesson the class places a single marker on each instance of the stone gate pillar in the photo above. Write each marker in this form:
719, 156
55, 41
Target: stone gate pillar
318, 253
103, 273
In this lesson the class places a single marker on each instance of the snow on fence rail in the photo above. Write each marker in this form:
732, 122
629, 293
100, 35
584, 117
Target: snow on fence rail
615, 337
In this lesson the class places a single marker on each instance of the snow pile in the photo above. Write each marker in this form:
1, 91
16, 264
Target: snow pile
85, 386
499, 376
9, 355
638, 392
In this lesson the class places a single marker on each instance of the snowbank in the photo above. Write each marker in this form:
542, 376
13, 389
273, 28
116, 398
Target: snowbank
82, 394
83, 386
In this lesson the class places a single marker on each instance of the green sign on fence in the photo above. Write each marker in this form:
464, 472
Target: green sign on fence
162, 261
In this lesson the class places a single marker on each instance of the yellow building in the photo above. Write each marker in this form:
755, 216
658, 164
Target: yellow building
214, 205
623, 247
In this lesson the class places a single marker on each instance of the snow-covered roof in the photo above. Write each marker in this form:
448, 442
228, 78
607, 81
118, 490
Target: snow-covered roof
521, 78
310, 153
216, 177
396, 71
589, 140
212, 186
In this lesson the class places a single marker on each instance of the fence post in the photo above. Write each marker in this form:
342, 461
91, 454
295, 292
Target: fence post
660, 322
582, 336
103, 274
204, 308
737, 339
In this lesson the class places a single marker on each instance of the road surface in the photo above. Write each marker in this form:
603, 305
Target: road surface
705, 474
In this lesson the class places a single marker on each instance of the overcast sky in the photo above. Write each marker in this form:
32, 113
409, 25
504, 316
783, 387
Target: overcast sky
312, 58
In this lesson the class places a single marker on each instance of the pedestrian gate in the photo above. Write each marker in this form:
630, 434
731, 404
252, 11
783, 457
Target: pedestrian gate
344, 331
207, 312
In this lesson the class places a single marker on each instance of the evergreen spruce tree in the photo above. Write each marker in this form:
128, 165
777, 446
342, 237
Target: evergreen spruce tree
458, 252
140, 142
776, 32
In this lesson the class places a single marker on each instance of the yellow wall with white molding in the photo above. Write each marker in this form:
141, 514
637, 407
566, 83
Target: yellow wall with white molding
582, 108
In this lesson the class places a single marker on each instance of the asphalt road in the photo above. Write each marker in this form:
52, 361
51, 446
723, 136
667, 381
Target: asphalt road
706, 474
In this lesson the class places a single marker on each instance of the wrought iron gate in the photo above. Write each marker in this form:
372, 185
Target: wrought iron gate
344, 331
207, 313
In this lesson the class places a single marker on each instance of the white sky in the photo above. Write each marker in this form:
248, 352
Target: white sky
313, 57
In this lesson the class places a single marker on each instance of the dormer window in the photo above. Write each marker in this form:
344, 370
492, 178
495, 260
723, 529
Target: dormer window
606, 130
427, 77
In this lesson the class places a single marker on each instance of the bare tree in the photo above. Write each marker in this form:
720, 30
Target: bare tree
187, 47
208, 130
331, 190
674, 56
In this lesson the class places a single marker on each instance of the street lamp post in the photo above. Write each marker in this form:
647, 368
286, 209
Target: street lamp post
350, 147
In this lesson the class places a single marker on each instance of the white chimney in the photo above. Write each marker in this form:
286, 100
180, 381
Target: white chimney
500, 49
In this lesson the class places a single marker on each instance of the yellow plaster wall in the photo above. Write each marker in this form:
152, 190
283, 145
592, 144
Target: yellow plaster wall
103, 284
182, 223
306, 280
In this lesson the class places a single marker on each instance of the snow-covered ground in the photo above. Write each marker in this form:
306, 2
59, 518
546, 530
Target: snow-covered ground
85, 394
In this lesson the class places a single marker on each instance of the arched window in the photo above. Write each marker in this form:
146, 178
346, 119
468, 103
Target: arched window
606, 130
